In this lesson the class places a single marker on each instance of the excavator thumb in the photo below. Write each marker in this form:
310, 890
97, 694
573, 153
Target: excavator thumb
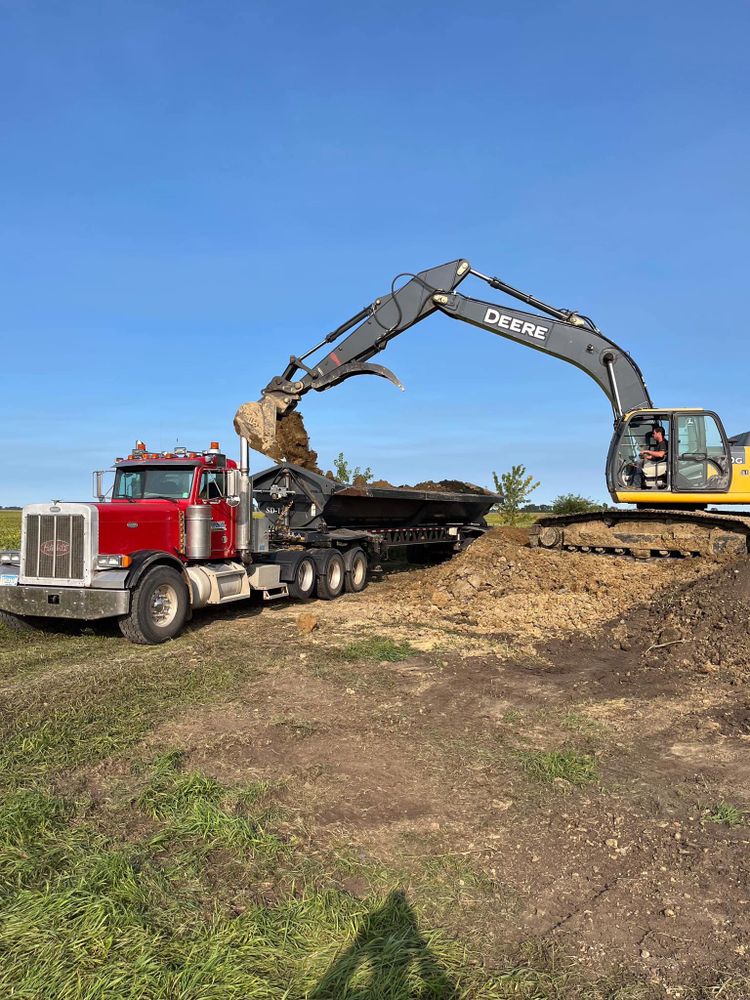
258, 422
355, 368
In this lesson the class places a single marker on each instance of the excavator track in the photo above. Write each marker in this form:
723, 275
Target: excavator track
645, 534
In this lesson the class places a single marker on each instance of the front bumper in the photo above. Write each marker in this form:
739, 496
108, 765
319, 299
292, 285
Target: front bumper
63, 602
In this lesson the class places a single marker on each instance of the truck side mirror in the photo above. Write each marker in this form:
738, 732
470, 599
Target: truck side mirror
233, 487
98, 488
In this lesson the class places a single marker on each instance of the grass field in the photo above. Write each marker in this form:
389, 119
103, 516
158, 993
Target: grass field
499, 520
10, 529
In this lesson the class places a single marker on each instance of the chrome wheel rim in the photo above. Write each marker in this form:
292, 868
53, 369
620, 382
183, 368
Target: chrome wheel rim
163, 605
359, 569
305, 576
335, 574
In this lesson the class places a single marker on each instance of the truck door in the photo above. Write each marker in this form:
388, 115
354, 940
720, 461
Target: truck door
213, 490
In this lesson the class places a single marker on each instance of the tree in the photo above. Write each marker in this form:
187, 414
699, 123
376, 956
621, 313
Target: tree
345, 474
514, 487
572, 503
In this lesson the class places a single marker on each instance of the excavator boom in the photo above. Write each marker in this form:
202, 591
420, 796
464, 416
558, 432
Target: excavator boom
565, 335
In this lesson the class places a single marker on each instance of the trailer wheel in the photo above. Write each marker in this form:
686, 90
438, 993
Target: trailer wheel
158, 608
357, 565
331, 574
302, 586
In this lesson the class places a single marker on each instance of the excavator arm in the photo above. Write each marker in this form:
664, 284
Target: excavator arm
565, 335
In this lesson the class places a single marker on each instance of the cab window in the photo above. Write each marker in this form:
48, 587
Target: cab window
150, 483
702, 460
213, 485
637, 436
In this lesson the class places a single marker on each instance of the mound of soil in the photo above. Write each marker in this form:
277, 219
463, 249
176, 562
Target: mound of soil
500, 585
700, 626
447, 486
429, 486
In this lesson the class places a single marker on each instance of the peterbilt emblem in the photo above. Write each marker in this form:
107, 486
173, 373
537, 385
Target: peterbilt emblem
58, 548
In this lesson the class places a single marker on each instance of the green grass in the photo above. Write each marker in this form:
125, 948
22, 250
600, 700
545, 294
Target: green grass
726, 814
522, 520
215, 904
569, 765
378, 648
10, 529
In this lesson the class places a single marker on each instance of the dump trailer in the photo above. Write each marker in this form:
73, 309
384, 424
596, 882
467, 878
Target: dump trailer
183, 530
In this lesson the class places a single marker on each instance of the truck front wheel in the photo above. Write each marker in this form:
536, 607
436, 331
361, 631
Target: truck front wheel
158, 608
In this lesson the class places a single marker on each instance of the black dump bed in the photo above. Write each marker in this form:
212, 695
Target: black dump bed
308, 500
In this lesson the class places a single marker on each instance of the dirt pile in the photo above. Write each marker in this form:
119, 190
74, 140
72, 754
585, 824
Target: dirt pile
500, 585
447, 486
429, 486
700, 626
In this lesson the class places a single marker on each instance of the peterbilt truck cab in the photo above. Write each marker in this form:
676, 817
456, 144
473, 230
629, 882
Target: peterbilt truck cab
166, 541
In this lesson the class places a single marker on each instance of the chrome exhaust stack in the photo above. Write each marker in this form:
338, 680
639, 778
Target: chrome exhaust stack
245, 509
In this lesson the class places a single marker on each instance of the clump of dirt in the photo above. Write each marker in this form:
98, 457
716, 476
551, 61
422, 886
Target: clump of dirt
293, 443
499, 585
702, 625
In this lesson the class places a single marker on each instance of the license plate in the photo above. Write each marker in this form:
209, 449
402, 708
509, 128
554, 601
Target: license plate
8, 579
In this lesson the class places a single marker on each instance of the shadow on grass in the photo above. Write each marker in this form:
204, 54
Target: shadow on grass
387, 958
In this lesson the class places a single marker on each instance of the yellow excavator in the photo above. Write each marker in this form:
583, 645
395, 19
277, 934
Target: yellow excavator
671, 463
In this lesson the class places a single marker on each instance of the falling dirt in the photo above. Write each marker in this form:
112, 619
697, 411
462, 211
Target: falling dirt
291, 444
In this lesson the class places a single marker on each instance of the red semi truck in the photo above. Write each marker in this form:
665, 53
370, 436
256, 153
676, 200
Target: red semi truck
182, 530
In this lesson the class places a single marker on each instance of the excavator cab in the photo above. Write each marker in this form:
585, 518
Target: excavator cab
696, 468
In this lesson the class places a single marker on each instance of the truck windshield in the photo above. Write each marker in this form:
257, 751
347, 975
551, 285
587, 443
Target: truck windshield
150, 483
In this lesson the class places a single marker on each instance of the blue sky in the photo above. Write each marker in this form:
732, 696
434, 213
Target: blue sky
193, 191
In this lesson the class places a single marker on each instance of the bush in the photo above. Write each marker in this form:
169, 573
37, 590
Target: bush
572, 503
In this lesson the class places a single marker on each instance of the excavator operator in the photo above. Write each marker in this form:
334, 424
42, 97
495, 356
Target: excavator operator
654, 458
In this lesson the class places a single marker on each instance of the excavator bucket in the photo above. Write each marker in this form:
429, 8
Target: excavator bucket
257, 423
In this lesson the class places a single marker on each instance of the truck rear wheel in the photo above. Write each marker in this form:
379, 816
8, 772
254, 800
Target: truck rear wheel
357, 565
302, 586
158, 608
331, 574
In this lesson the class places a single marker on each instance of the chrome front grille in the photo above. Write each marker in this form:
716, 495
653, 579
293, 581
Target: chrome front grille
57, 546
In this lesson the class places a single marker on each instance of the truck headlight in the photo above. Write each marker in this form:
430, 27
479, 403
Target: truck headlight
113, 562
10, 558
